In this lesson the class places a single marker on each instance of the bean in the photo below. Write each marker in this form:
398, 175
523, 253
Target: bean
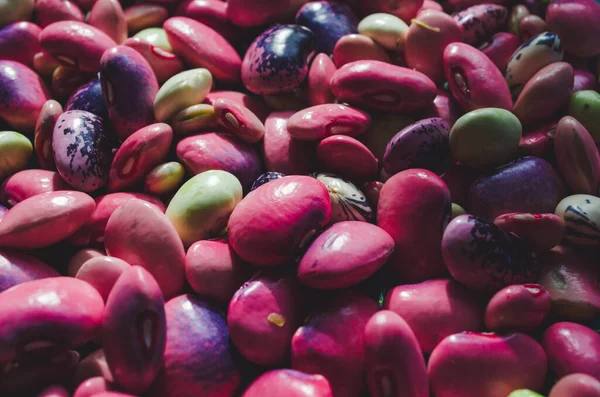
520, 308
541, 232
328, 21
479, 22
575, 21
141, 16
89, 98
500, 48
357, 47
164, 178
347, 157
102, 272
581, 213
29, 183
385, 29
576, 385
108, 16
50, 11
164, 63
319, 77
18, 268
290, 383
155, 36
348, 203
214, 14
20, 42
321, 121
239, 120
585, 106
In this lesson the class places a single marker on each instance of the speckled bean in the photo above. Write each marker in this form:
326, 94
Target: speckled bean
142, 235
277, 60
59, 310
348, 203
20, 42
480, 22
129, 87
45, 219
202, 47
108, 16
381, 86
134, 330
89, 98
76, 44
581, 213
331, 343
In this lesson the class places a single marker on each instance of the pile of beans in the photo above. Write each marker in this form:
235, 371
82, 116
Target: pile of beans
291, 198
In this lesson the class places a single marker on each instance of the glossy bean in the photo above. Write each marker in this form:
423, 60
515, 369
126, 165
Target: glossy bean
290, 383
141, 16
239, 120
142, 235
129, 87
212, 13
404, 10
348, 203
15, 152
321, 121
44, 128
89, 97
65, 80
45, 219
575, 21
181, 91
76, 44
576, 385
581, 213
585, 107
29, 183
164, 178
164, 63
20, 42
44, 64
531, 26
102, 272
108, 16
319, 78
194, 119
18, 268
541, 232
358, 47
50, 11
54, 391
91, 387
500, 48
80, 257
520, 308
584, 80
347, 157
386, 29
328, 21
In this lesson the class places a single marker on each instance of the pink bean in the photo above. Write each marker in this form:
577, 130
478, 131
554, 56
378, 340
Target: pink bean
394, 362
20, 42
576, 22
256, 13
28, 183
50, 11
541, 232
239, 120
142, 235
319, 76
212, 13
347, 157
45, 219
91, 387
165, 64
255, 103
17, 268
521, 307
80, 257
102, 272
289, 383
576, 385
321, 121
108, 16
500, 48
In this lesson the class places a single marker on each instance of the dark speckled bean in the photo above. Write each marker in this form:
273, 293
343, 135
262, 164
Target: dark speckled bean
76, 44
277, 61
89, 98
129, 87
479, 22
483, 257
529, 184
328, 21
134, 330
81, 150
17, 268
198, 358
22, 95
20, 42
423, 144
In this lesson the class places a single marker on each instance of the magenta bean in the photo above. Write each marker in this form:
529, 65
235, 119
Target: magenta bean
319, 76
165, 64
474, 80
483, 257
219, 151
89, 97
436, 309
357, 47
576, 385
289, 383
44, 128
202, 47
545, 94
140, 152
394, 362
92, 366
144, 15
38, 368
262, 317
45, 219
22, 95
444, 106
18, 268
281, 152
430, 5
372, 191
572, 348
108, 16
54, 391
91, 387
584, 80
381, 86
76, 44
29, 183
496, 365
347, 157
134, 330
80, 257
329, 21
500, 48
277, 60
426, 39
520, 308
239, 120
321, 121
50, 11
480, 22
19, 42
538, 142
331, 343
423, 144
541, 232
256, 13
44, 64
252, 102
142, 235
531, 26
214, 271
414, 207
344, 254
66, 80
404, 10
212, 13
576, 22
272, 223
577, 157
198, 358
81, 150
92, 232
102, 272
529, 184
59, 310
129, 87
